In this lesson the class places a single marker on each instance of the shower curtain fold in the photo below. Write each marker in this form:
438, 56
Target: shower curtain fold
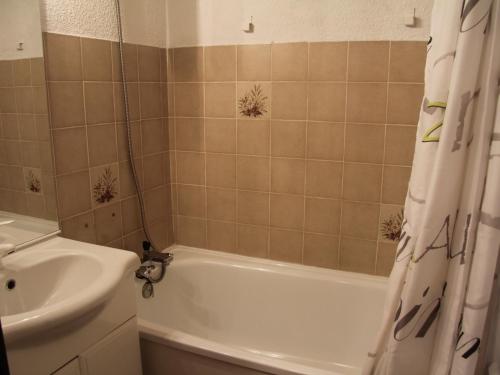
444, 270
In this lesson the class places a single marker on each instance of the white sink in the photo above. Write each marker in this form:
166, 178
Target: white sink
57, 281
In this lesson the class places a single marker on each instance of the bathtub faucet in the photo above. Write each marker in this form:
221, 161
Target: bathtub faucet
154, 264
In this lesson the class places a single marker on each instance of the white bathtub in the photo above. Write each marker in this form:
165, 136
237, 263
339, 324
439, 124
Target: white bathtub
219, 313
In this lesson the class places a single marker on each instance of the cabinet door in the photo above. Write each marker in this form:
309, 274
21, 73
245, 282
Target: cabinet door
71, 368
116, 354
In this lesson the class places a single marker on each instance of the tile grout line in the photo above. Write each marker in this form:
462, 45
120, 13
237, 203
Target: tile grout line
270, 150
305, 156
235, 193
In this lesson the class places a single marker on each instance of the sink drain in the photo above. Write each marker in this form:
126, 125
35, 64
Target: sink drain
10, 284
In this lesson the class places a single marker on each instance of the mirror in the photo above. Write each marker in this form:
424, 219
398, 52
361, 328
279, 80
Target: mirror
27, 187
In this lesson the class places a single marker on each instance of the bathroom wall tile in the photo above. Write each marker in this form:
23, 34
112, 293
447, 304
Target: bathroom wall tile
287, 211
116, 67
325, 141
80, 228
127, 185
190, 168
156, 204
63, 57
11, 126
395, 184
191, 200
153, 135
391, 218
366, 102
289, 100
400, 145
253, 137
287, 175
288, 138
150, 99
37, 66
153, 171
191, 231
364, 143
368, 61
96, 59
221, 204
360, 219
188, 64
221, 170
189, 99
6, 73
221, 236
166, 65
22, 72
254, 62
323, 179
252, 240
404, 103
99, 102
42, 127
133, 101
131, 214
220, 135
24, 99
108, 223
40, 100
35, 205
102, 144
253, 208
70, 149
70, 186
253, 100
220, 100
13, 152
122, 140
220, 63
357, 255
253, 173
289, 61
321, 250
407, 61
149, 63
30, 152
362, 182
133, 242
189, 134
322, 215
8, 100
327, 61
327, 101
105, 184
285, 245
385, 258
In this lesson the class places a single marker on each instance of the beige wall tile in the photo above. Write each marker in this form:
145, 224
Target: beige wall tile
327, 101
189, 134
289, 61
149, 63
127, 185
364, 143
400, 144
325, 141
40, 100
407, 61
190, 168
191, 200
321, 250
322, 215
221, 204
220, 63
327, 61
8, 100
70, 149
66, 104
22, 72
63, 56
189, 99
254, 62
221, 170
220, 100
404, 103
30, 152
102, 144
154, 136
108, 223
131, 214
253, 100
368, 61
385, 258
285, 245
289, 100
253, 208
220, 135
252, 240
288, 138
99, 107
156, 200
360, 219
190, 231
362, 182
287, 175
395, 184
188, 64
221, 236
6, 73
105, 184
366, 102
153, 171
24, 99
70, 186
253, 137
96, 60
357, 255
150, 100
391, 218
323, 179
37, 66
80, 228
12, 126
287, 211
130, 57
253, 173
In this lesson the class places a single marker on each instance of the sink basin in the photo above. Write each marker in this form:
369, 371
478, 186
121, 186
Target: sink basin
56, 281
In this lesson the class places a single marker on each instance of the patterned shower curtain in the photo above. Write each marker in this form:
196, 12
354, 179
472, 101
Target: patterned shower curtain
441, 283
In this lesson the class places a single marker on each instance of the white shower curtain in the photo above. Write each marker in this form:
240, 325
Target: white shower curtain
440, 286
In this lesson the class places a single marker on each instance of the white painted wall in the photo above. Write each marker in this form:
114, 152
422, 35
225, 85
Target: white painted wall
20, 22
214, 22
144, 21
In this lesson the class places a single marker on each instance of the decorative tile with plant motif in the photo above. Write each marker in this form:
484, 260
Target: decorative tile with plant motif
33, 180
253, 103
104, 184
390, 227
